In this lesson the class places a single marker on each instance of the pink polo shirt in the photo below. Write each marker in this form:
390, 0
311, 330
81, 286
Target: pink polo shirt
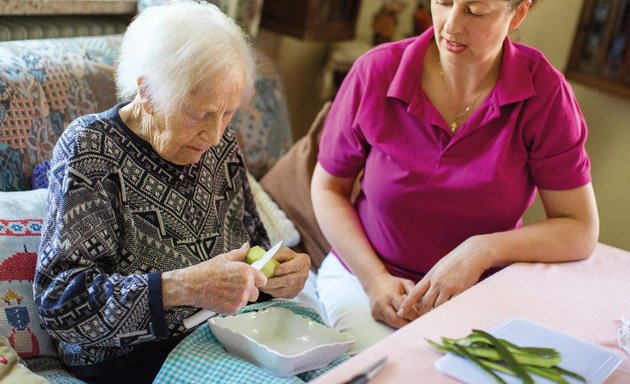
425, 190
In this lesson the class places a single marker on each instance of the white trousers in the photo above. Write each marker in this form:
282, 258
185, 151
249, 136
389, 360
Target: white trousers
308, 296
347, 305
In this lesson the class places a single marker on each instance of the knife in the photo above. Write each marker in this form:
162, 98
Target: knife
368, 373
205, 314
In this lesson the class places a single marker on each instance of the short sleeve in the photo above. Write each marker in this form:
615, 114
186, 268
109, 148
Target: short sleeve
343, 148
557, 135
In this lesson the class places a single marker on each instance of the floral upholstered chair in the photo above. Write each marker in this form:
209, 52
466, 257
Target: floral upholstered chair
44, 85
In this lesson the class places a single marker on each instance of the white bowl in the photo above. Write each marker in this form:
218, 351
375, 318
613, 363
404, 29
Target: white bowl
279, 340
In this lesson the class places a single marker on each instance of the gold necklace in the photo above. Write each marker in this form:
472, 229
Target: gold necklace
458, 119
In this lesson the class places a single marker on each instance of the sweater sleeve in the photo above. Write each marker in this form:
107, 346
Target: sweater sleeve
79, 297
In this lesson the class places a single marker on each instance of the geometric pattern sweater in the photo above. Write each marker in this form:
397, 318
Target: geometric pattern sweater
118, 215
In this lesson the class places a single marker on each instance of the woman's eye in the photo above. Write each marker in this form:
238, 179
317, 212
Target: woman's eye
228, 114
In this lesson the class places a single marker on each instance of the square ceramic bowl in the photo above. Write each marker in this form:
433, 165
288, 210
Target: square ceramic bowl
279, 340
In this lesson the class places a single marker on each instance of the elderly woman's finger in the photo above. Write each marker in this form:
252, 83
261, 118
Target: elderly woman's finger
281, 293
292, 280
290, 276
285, 254
260, 280
299, 262
253, 295
236, 254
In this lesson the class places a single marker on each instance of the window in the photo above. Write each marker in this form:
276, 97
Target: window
600, 56
319, 20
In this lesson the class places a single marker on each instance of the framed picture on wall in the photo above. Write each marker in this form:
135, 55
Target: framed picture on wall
600, 56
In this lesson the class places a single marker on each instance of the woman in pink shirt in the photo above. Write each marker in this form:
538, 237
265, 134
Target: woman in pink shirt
455, 131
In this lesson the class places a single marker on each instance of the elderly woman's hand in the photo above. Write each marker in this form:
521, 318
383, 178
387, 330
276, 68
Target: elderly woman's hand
289, 277
223, 284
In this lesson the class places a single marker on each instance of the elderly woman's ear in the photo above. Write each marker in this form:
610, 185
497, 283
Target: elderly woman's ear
145, 95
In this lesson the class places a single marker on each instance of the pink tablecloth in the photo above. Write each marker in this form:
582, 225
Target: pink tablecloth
585, 299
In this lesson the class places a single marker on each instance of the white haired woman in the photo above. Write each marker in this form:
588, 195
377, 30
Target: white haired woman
150, 214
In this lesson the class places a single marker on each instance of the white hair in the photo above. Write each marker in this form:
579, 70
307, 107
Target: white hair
177, 45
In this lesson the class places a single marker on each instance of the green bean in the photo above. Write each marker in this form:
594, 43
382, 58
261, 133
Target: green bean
508, 358
436, 345
572, 374
475, 339
532, 350
548, 373
543, 357
521, 357
499, 355
463, 352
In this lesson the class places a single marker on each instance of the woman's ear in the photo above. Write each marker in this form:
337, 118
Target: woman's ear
520, 13
145, 96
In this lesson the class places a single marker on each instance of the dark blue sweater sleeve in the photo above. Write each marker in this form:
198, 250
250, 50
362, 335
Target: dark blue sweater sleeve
79, 297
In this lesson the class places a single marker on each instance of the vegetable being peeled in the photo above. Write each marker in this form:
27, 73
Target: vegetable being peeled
255, 253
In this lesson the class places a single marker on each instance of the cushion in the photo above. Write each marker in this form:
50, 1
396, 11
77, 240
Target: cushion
262, 126
276, 222
40, 175
288, 183
44, 85
52, 369
21, 218
11, 370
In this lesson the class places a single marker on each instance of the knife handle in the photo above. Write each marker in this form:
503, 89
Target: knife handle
358, 379
198, 318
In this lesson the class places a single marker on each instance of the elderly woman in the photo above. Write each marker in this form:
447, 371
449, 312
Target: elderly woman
149, 213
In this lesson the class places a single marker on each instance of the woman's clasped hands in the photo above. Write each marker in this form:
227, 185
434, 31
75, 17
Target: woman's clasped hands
386, 294
453, 274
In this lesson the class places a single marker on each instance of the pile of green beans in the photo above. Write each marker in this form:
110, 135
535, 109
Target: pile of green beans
499, 355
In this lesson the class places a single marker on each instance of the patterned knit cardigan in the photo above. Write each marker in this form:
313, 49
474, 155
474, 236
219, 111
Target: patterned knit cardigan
118, 215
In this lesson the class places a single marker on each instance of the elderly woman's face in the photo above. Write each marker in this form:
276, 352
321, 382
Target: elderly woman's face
189, 132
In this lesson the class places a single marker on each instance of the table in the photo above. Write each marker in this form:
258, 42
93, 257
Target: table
585, 299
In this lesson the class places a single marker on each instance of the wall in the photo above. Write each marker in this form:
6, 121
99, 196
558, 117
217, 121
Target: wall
300, 63
608, 116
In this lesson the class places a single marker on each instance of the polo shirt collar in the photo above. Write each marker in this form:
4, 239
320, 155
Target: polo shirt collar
515, 80
514, 83
406, 82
